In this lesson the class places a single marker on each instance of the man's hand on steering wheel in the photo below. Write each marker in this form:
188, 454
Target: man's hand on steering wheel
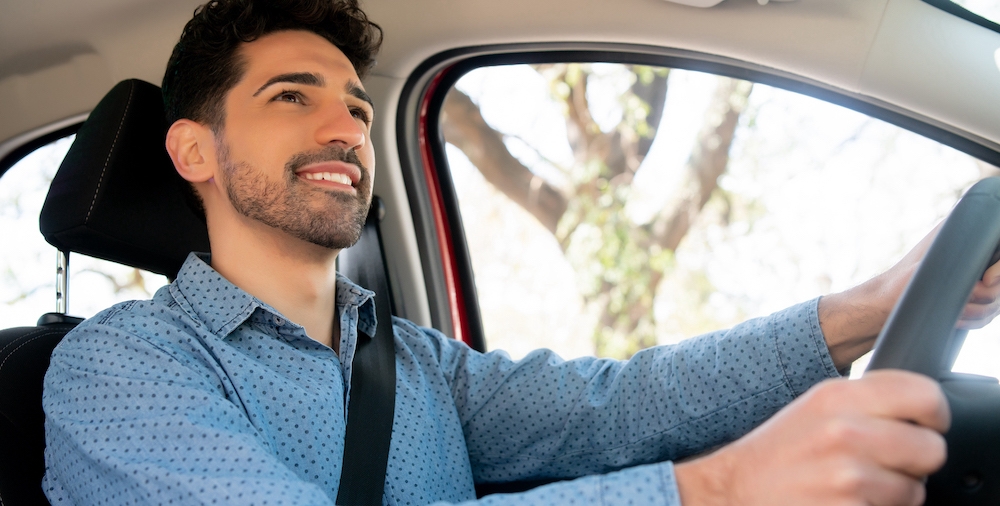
869, 441
852, 319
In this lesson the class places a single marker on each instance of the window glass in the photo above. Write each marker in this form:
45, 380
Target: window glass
611, 207
28, 263
989, 9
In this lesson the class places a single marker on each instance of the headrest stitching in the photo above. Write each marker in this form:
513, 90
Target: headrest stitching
114, 143
23, 336
21, 346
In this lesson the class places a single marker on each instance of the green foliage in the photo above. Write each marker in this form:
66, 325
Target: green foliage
618, 270
620, 264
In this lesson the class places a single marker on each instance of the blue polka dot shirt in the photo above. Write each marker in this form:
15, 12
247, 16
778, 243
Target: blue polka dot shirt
206, 395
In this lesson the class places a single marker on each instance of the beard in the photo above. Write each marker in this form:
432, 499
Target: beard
328, 218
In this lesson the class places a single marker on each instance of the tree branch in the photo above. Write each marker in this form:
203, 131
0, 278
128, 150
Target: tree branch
707, 162
464, 127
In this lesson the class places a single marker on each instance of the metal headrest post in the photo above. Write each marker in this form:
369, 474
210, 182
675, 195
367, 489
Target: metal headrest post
62, 281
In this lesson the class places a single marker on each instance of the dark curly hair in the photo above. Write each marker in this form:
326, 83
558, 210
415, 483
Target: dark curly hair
205, 65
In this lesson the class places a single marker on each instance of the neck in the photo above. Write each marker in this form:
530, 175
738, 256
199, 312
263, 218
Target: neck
295, 277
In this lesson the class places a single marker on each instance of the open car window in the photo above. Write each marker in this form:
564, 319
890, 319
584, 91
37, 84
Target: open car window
985, 13
28, 267
989, 9
611, 207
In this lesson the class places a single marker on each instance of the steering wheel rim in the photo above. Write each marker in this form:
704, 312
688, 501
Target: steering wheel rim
917, 337
916, 334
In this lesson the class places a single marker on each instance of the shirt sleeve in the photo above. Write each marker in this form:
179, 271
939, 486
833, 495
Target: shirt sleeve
543, 417
127, 423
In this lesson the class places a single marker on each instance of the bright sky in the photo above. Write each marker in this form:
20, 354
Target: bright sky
989, 9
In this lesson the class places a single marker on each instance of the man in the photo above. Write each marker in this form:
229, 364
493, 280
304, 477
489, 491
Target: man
230, 386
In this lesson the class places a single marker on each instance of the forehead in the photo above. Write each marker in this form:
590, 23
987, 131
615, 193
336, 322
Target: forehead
294, 51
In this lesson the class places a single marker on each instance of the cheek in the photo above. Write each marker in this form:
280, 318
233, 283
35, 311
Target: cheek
367, 156
263, 150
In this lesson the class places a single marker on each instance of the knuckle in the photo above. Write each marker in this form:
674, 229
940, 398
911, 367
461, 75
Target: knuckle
841, 433
849, 481
830, 393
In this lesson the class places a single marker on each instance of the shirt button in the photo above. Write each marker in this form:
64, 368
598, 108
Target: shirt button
278, 321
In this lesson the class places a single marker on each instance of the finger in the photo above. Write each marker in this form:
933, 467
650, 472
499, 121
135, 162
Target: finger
992, 275
902, 447
880, 487
978, 315
902, 395
983, 293
973, 324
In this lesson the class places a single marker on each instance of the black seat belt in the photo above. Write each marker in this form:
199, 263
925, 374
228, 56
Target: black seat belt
372, 404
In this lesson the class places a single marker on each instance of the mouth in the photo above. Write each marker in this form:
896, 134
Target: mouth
334, 175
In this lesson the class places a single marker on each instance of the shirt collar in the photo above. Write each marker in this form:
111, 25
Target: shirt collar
221, 306
350, 294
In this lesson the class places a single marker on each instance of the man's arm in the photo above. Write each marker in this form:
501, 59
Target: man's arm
870, 441
852, 319
542, 417
875, 438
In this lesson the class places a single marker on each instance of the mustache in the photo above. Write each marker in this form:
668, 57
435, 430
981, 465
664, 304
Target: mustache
327, 154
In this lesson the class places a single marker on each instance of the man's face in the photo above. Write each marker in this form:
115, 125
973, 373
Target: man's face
295, 152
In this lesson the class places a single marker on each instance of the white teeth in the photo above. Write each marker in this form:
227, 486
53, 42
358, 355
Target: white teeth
335, 177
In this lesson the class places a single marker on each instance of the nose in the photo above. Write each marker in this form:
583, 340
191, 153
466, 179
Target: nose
339, 126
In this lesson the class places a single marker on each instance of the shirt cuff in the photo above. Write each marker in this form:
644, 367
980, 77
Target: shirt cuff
801, 346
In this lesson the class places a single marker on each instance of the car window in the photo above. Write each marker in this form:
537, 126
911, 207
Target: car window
28, 263
989, 9
985, 13
611, 207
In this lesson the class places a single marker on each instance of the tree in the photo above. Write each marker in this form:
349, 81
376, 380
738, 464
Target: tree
621, 263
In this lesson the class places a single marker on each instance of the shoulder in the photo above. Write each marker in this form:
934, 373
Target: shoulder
137, 326
411, 334
429, 346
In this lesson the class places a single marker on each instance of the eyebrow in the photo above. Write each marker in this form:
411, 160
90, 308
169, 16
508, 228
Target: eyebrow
305, 78
310, 79
355, 91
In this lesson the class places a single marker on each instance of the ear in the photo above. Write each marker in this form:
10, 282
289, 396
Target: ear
191, 146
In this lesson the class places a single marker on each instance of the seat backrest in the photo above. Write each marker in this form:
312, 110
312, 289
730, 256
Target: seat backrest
117, 197
24, 357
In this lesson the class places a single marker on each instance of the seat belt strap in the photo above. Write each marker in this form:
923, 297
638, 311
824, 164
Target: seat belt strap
372, 403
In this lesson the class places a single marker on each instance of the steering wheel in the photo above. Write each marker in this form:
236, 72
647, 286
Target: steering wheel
919, 337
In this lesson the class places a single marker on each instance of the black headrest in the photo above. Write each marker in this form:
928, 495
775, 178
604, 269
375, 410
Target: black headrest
116, 195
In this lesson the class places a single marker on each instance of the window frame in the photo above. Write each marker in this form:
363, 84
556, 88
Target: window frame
36, 141
440, 233
957, 10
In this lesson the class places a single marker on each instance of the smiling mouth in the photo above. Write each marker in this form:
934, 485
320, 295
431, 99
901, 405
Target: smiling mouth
334, 177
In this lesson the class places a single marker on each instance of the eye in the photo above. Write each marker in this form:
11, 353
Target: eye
361, 114
289, 96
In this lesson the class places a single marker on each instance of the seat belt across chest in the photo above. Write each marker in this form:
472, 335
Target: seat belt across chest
372, 402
